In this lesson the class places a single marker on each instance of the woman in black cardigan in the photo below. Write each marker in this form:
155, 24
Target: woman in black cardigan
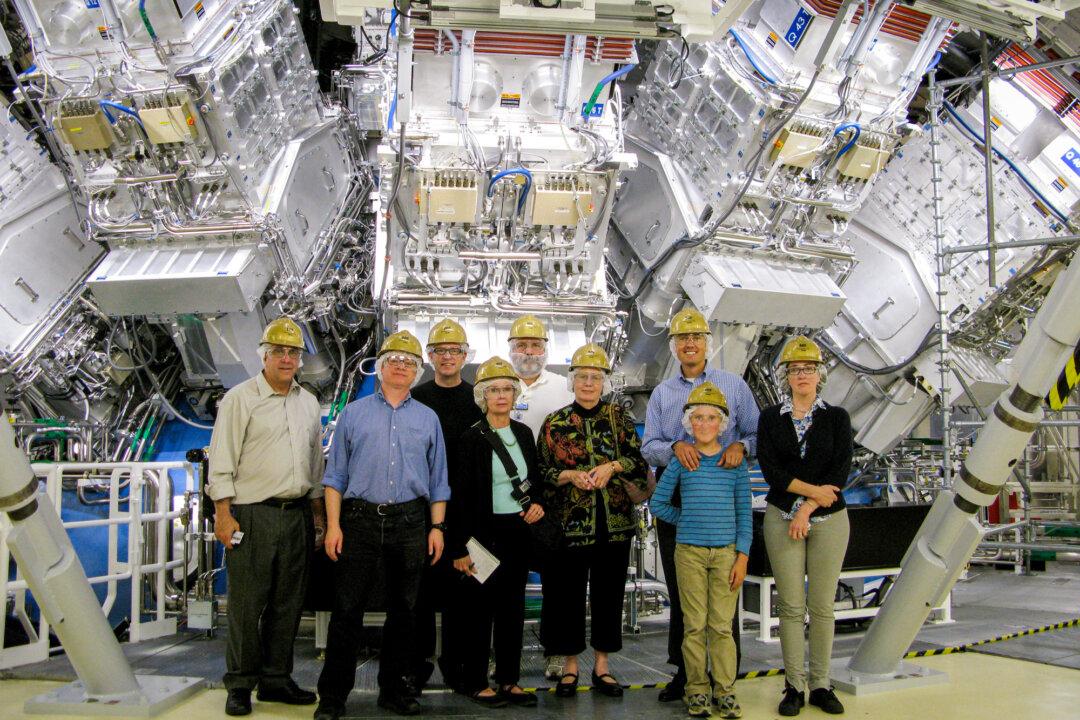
804, 449
485, 505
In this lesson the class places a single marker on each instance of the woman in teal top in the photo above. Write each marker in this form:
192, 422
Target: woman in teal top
486, 505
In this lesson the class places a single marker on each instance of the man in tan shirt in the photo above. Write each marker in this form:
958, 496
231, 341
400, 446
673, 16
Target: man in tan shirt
266, 464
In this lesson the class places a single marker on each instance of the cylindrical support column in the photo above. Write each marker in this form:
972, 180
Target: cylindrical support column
47, 560
950, 534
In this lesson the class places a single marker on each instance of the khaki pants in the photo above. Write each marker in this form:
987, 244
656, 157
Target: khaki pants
708, 604
806, 573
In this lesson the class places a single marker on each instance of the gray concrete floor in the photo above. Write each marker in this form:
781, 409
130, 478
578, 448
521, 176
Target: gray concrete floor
989, 603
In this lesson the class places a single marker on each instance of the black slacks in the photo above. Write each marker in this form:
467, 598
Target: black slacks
396, 543
665, 539
499, 605
601, 568
268, 572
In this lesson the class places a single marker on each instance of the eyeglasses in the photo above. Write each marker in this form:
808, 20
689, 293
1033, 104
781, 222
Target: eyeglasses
589, 377
690, 337
446, 351
802, 370
277, 352
499, 390
401, 361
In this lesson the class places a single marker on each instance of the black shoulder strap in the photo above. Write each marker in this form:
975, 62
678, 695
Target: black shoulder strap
519, 489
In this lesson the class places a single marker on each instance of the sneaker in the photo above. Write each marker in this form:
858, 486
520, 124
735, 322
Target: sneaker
698, 706
553, 669
792, 702
826, 699
728, 707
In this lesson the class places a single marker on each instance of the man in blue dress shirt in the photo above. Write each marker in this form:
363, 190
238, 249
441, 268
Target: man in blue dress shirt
665, 438
385, 478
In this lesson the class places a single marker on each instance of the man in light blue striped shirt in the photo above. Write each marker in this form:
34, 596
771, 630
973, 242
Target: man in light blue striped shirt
666, 438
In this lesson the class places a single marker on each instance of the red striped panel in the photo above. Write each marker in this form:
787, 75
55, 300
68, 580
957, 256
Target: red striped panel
609, 49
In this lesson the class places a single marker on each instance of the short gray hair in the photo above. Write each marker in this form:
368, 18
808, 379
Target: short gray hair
725, 420
607, 389
785, 387
481, 387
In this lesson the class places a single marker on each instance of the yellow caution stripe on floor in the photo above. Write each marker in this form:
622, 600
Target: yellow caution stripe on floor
1066, 382
771, 672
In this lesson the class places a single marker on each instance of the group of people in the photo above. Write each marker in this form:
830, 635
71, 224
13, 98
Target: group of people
420, 477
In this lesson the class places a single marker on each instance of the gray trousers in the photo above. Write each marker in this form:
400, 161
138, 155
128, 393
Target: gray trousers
268, 574
806, 573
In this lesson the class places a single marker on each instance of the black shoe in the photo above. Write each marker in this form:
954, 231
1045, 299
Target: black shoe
238, 702
326, 711
792, 702
289, 693
675, 689
521, 699
567, 688
606, 684
408, 687
826, 699
398, 703
488, 701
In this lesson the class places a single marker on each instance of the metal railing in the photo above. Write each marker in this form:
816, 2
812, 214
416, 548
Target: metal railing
140, 498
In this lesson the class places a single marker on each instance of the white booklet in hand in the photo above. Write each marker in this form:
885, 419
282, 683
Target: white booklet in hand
484, 563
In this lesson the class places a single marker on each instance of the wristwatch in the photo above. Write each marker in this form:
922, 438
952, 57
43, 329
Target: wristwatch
440, 526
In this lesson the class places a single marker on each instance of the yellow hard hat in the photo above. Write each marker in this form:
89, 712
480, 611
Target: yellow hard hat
283, 331
446, 331
401, 341
801, 349
494, 369
707, 394
686, 321
528, 326
590, 356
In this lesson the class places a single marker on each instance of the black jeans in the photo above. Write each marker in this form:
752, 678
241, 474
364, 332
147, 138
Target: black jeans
499, 602
665, 539
268, 572
600, 567
396, 543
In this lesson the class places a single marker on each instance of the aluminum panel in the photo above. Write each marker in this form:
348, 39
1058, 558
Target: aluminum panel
165, 281
738, 289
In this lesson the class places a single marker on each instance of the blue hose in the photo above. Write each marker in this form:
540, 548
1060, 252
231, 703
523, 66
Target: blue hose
1023, 178
513, 171
934, 62
750, 56
854, 138
106, 104
393, 19
585, 111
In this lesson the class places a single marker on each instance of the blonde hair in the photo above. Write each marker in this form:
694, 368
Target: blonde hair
725, 420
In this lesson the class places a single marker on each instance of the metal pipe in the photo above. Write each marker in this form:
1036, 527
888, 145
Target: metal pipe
139, 180
994, 545
934, 106
1009, 72
988, 160
496, 255
959, 249
1043, 423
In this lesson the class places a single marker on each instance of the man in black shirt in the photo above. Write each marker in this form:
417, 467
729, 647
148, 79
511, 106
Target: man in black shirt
452, 400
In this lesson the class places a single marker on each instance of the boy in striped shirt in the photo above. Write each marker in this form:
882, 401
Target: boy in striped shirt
713, 535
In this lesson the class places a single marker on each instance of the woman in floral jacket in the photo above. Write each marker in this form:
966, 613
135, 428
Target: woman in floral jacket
589, 454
